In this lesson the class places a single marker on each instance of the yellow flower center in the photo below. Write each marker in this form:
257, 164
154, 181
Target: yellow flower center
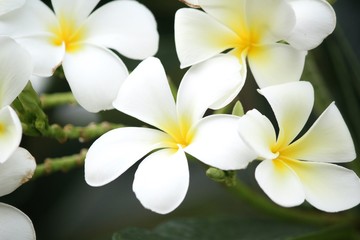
181, 134
2, 129
67, 32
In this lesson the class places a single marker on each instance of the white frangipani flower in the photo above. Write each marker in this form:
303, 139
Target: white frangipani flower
162, 178
14, 224
273, 35
294, 169
10, 5
80, 40
15, 71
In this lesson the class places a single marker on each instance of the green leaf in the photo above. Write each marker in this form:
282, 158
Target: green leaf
238, 109
229, 228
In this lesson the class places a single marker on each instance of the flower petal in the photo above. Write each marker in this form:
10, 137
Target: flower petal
280, 183
117, 150
126, 26
328, 140
270, 20
162, 180
14, 224
30, 26
231, 13
10, 132
78, 10
275, 64
258, 133
146, 95
292, 104
199, 37
211, 84
13, 78
315, 20
94, 75
17, 170
328, 187
10, 5
216, 143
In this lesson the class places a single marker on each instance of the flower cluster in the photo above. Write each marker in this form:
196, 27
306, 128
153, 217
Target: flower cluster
218, 40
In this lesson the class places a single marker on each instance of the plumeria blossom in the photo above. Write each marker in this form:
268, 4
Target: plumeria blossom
10, 5
79, 38
273, 35
18, 168
297, 168
162, 178
15, 71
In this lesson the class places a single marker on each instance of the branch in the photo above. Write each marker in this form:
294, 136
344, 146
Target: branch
56, 99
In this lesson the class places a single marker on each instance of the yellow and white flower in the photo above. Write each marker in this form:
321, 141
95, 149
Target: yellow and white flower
162, 178
273, 35
296, 168
79, 38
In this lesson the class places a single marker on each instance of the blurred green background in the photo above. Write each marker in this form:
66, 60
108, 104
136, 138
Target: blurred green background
63, 206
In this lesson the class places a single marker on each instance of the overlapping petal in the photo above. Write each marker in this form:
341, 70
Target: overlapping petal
10, 5
14, 224
258, 133
18, 169
280, 183
13, 78
292, 104
10, 132
146, 95
79, 10
328, 187
126, 26
229, 12
95, 75
328, 140
198, 37
211, 84
315, 20
162, 180
276, 64
117, 150
216, 143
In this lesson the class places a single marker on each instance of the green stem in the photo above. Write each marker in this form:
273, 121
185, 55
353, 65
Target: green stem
62, 134
259, 202
56, 99
63, 164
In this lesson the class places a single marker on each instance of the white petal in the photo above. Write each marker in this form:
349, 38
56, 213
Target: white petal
270, 20
14, 224
95, 75
280, 183
10, 5
198, 37
32, 19
117, 150
30, 26
211, 84
162, 180
46, 57
275, 64
126, 26
146, 95
217, 143
231, 13
328, 140
13, 78
10, 132
17, 170
315, 20
78, 10
258, 133
191, 3
328, 187
292, 104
